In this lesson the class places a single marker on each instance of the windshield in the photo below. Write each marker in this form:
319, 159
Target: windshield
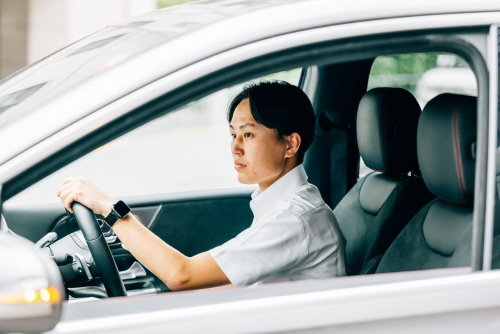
68, 67
30, 87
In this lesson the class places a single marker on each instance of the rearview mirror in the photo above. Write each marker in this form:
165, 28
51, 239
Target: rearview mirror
31, 287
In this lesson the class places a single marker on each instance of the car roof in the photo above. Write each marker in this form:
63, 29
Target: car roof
176, 20
186, 33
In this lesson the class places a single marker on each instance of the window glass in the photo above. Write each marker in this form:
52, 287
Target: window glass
184, 150
105, 49
22, 92
425, 75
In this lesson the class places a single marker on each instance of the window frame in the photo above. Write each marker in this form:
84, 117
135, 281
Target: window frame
493, 59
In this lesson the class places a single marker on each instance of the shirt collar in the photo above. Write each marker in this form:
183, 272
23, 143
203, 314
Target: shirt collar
264, 201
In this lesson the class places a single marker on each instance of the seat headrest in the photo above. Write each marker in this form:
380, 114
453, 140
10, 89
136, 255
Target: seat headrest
386, 129
445, 143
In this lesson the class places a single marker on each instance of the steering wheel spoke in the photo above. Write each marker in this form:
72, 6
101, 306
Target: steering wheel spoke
104, 261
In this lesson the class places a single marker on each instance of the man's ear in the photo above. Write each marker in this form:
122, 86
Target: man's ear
293, 144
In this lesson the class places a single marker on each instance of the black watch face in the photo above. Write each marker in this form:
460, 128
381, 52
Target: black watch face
121, 208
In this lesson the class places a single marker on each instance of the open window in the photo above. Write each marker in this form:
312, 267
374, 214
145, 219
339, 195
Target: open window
189, 196
184, 150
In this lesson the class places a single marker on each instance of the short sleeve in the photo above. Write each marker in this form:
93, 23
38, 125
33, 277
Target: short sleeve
266, 248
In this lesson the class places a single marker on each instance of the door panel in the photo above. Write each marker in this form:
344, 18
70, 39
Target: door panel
196, 226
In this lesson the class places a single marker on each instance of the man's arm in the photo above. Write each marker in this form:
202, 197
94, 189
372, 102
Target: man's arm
177, 271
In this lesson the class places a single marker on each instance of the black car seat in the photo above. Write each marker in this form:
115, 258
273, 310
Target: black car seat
440, 235
380, 205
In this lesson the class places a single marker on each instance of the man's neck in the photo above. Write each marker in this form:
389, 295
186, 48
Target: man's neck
289, 165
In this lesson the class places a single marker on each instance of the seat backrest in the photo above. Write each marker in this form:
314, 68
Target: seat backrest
377, 208
440, 235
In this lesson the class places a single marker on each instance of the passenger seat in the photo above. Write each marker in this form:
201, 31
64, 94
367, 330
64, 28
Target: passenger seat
440, 235
380, 205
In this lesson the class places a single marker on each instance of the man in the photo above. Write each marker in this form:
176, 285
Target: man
294, 234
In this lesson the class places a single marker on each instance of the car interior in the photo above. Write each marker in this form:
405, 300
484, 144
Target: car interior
412, 211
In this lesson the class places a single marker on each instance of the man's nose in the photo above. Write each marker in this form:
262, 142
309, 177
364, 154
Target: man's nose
237, 146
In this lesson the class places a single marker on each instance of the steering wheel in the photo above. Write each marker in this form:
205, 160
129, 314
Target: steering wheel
104, 261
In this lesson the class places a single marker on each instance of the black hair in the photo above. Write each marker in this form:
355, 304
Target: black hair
280, 106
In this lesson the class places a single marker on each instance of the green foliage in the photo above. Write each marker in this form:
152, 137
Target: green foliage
414, 63
402, 71
168, 3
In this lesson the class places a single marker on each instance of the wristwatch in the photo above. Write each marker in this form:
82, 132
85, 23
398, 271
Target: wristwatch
118, 211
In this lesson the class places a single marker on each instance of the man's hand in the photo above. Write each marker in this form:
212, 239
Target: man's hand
80, 189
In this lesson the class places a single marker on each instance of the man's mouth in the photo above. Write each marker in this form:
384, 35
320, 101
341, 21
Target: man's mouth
239, 166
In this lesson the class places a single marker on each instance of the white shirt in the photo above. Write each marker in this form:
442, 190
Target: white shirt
294, 236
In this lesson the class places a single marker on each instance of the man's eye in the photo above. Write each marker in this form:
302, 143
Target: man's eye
248, 135
233, 135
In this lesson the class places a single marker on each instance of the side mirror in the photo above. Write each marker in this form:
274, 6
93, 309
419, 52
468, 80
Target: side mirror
31, 287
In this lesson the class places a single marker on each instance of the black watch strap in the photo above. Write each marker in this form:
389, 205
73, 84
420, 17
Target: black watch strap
118, 211
111, 218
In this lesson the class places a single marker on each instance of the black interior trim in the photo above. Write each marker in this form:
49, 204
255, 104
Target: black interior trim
345, 50
302, 78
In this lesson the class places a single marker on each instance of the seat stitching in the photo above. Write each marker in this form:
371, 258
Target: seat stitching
369, 263
458, 154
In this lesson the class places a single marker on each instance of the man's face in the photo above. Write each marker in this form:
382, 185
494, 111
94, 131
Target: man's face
259, 157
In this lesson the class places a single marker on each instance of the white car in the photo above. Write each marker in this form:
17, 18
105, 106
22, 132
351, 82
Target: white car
139, 108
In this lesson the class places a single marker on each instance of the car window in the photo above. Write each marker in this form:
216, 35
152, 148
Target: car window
425, 75
185, 150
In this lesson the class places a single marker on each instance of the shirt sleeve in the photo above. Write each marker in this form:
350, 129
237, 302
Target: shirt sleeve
264, 249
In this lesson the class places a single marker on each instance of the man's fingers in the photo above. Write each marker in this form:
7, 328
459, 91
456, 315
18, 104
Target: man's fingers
63, 188
68, 201
81, 190
68, 196
75, 193
67, 180
65, 194
72, 180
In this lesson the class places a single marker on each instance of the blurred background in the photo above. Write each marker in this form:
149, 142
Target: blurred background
33, 29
